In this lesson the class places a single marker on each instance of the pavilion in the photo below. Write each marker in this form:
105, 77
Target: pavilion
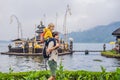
116, 33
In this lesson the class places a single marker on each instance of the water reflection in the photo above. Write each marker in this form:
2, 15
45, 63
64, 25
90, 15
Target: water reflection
79, 61
21, 63
117, 62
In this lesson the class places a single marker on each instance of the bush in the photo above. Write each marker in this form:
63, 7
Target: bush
62, 75
111, 54
113, 51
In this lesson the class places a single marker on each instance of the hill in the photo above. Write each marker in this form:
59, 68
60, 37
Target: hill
4, 41
98, 34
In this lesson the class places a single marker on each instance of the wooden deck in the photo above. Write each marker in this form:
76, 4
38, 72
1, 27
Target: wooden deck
31, 54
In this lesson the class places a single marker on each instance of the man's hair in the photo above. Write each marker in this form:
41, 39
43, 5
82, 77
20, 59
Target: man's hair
55, 33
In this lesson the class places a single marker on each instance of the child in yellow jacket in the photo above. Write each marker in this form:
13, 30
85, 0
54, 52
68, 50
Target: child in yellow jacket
48, 31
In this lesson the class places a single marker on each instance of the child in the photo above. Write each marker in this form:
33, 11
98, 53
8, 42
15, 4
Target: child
48, 31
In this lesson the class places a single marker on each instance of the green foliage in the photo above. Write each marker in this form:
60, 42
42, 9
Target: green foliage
60, 72
111, 54
118, 74
63, 75
113, 51
10, 70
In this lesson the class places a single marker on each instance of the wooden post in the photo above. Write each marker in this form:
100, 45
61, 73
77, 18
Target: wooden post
104, 47
118, 40
71, 46
119, 47
9, 47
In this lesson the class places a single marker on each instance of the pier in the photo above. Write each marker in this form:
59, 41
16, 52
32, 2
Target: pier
30, 54
40, 54
87, 51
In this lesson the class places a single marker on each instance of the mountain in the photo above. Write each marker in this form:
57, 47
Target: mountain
4, 41
98, 34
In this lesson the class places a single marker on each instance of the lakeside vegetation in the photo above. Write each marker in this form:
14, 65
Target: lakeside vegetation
62, 75
111, 53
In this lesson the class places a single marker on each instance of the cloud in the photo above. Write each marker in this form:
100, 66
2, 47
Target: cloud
96, 12
85, 14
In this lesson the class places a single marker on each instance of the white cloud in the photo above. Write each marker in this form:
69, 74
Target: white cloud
85, 14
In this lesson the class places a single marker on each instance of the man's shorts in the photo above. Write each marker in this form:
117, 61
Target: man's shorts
53, 67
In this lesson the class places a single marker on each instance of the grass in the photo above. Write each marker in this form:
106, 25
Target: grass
111, 53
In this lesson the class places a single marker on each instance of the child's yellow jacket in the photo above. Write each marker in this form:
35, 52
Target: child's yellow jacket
48, 33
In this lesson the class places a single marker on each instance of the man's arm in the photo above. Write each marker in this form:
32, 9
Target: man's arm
51, 47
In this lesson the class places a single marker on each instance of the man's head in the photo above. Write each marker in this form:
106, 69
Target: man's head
56, 35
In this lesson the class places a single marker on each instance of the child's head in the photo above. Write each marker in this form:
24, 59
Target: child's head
51, 26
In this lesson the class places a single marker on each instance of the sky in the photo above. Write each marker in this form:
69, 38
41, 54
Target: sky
86, 14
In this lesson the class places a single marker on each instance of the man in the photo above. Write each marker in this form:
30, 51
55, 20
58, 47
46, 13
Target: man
53, 54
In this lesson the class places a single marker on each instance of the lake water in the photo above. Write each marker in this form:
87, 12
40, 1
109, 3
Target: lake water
76, 61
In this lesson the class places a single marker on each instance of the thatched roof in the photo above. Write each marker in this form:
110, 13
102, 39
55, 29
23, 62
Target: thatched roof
116, 32
18, 39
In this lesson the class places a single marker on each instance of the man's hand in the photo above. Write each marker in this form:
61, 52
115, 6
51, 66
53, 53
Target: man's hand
57, 45
49, 51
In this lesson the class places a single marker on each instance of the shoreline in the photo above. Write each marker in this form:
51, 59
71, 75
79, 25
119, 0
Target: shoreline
109, 54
